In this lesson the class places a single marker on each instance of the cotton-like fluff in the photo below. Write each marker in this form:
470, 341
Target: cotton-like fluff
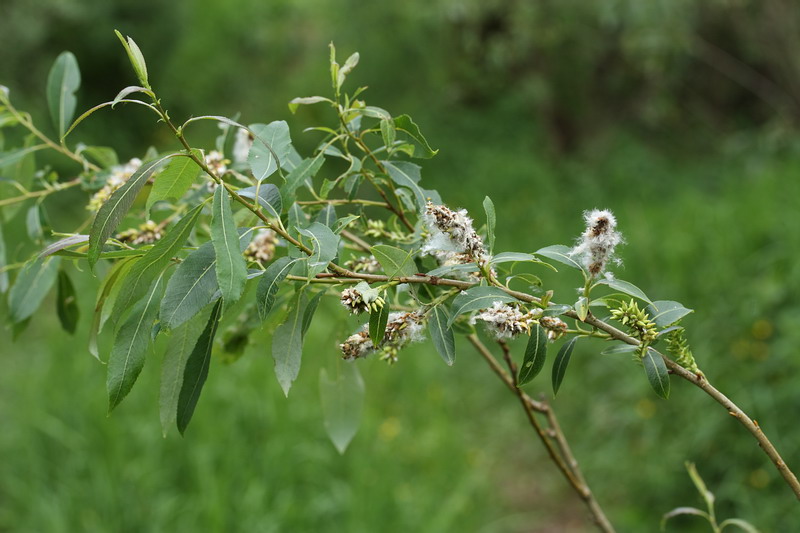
402, 328
506, 321
241, 146
452, 234
554, 326
596, 246
361, 299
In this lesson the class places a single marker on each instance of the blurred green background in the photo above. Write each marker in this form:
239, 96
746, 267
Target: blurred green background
680, 116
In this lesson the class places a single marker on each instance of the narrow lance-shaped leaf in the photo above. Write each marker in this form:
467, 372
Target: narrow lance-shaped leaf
535, 355
66, 303
231, 267
136, 58
173, 182
305, 170
269, 284
377, 324
560, 253
626, 287
657, 373
269, 197
117, 272
311, 308
441, 334
181, 344
395, 262
194, 284
561, 362
112, 211
62, 82
407, 175
666, 312
325, 246
491, 222
477, 298
130, 346
287, 345
31, 286
342, 403
196, 371
156, 259
265, 157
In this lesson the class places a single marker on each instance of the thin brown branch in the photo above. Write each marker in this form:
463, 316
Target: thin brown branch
531, 407
702, 383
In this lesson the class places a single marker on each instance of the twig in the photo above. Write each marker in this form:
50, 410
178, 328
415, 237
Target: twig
556, 451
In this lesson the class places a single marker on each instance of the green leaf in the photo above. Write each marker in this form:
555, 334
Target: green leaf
14, 156
269, 284
678, 511
560, 253
421, 148
407, 175
136, 58
62, 82
535, 355
343, 222
181, 344
700, 485
342, 403
307, 100
477, 298
196, 371
388, 132
112, 211
556, 310
442, 334
508, 257
738, 522
377, 324
561, 362
269, 197
395, 262
287, 345
194, 284
130, 346
66, 303
626, 287
325, 246
102, 155
304, 171
31, 286
348, 66
150, 266
173, 182
666, 312
231, 266
657, 373
624, 348
327, 216
33, 223
311, 308
265, 160
582, 308
106, 294
491, 222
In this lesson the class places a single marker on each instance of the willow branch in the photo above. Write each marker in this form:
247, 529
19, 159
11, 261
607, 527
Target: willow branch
551, 437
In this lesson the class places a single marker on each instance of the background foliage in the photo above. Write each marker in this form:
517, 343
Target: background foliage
679, 116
